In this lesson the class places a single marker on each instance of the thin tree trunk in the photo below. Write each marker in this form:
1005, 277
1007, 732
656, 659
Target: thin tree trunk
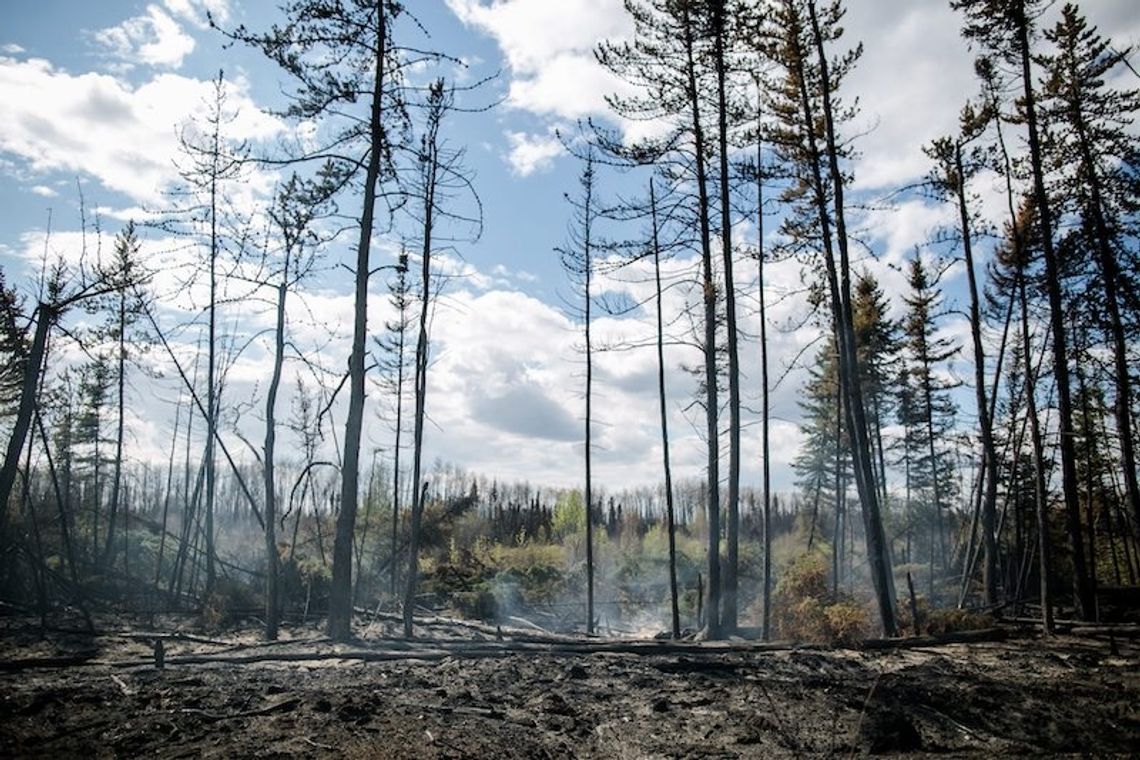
1083, 586
935, 470
117, 476
45, 317
1039, 490
589, 264
732, 496
989, 501
166, 498
837, 533
670, 514
1090, 494
968, 566
272, 566
1110, 275
1040, 493
340, 591
708, 283
765, 394
393, 564
422, 348
38, 565
877, 555
211, 365
65, 534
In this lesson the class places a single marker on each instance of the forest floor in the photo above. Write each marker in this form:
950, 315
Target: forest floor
461, 691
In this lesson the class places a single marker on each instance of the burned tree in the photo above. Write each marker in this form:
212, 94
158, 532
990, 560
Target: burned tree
578, 261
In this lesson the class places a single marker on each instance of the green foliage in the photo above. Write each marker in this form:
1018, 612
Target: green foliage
569, 515
529, 574
803, 610
805, 578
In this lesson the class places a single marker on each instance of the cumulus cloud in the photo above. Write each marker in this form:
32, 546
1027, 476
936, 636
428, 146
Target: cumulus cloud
123, 135
153, 39
916, 74
548, 49
532, 153
194, 11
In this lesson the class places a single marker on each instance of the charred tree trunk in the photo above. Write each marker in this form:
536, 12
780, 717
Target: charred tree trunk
117, 473
1040, 494
708, 283
765, 400
272, 567
1083, 586
989, 472
1110, 276
728, 619
340, 590
45, 318
430, 168
393, 564
670, 513
877, 550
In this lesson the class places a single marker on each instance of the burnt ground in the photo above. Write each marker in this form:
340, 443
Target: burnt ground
464, 693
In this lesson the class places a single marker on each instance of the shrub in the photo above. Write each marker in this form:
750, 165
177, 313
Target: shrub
803, 610
847, 623
479, 604
951, 620
228, 604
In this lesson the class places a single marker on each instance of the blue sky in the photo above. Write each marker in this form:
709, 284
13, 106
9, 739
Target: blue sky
94, 92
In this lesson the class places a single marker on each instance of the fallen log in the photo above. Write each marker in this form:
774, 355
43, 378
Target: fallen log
955, 637
1080, 627
155, 635
62, 661
535, 634
1123, 631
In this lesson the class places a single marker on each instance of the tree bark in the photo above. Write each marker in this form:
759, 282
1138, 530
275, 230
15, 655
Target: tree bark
588, 264
765, 392
45, 317
1109, 275
1083, 587
670, 512
877, 552
340, 590
272, 570
708, 282
117, 476
989, 452
732, 495
430, 176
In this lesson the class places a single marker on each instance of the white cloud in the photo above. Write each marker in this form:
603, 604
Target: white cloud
530, 153
916, 74
195, 11
44, 191
154, 39
530, 31
548, 47
123, 135
11, 49
569, 86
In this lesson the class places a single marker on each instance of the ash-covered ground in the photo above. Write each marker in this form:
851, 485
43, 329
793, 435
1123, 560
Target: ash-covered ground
461, 691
